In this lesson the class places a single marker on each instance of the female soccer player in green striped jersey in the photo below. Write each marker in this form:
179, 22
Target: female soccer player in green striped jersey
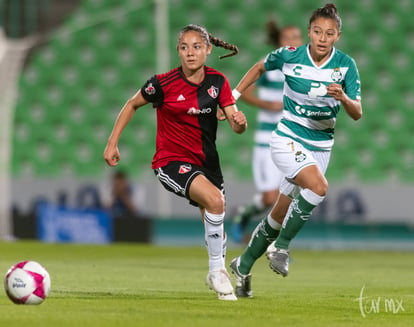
319, 79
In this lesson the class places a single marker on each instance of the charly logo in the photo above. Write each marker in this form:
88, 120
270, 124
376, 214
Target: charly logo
150, 89
297, 70
213, 91
336, 75
300, 156
195, 111
377, 304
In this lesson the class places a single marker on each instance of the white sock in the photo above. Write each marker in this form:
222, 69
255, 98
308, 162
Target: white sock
258, 202
273, 223
213, 225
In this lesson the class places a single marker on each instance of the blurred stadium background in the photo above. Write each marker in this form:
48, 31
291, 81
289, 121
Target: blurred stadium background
67, 67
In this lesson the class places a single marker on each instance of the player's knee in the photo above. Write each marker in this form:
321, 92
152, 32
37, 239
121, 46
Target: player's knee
269, 198
320, 187
216, 202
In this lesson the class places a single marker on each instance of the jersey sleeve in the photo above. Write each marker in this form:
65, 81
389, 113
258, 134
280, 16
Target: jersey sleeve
152, 91
262, 81
226, 97
276, 59
352, 82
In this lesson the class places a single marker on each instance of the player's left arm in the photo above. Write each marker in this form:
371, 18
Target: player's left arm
352, 107
236, 118
349, 92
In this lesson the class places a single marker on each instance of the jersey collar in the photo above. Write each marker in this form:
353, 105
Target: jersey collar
180, 69
325, 63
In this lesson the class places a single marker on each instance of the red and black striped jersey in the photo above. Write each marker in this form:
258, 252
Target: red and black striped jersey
186, 116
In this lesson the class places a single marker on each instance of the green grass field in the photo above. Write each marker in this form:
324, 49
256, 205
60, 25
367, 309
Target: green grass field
142, 285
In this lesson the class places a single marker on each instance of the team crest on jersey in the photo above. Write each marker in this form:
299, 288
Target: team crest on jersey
300, 156
336, 75
150, 89
184, 169
213, 91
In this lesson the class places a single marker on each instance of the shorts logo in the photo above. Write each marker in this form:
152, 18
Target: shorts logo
213, 91
300, 156
150, 89
184, 169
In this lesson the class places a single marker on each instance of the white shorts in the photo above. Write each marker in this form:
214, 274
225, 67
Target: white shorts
291, 157
267, 176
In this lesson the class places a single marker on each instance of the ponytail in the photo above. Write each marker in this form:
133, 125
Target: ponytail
273, 33
220, 43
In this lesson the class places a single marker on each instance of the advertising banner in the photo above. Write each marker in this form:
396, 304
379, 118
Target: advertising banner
72, 225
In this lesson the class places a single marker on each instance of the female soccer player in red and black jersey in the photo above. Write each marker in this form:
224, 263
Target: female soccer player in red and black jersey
186, 160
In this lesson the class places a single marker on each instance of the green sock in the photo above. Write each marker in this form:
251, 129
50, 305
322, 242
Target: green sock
247, 213
261, 238
298, 213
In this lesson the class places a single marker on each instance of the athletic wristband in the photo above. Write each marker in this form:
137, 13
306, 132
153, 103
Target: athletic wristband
236, 94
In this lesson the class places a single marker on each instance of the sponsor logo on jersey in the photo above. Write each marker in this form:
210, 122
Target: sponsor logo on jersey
336, 75
309, 113
317, 90
150, 89
213, 91
181, 98
300, 156
195, 111
184, 169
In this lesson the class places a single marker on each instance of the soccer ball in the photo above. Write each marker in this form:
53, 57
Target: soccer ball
27, 282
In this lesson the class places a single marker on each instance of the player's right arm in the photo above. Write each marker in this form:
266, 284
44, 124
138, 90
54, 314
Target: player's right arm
111, 152
274, 60
250, 97
252, 75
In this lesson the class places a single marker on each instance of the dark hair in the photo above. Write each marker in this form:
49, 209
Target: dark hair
210, 39
327, 11
119, 174
273, 33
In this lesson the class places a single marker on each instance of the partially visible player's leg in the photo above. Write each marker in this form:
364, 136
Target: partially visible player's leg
265, 233
244, 215
267, 179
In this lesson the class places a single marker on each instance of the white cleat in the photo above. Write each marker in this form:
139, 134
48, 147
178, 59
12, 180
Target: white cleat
219, 281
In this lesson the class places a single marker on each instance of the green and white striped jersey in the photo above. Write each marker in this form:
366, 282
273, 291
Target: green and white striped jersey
309, 114
269, 88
